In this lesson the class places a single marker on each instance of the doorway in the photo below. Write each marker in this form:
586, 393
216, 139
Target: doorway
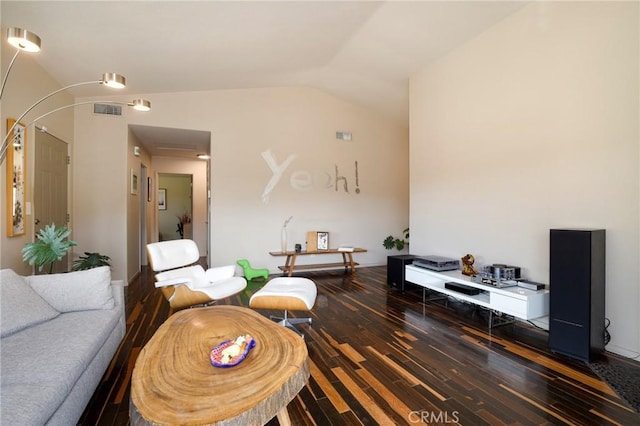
50, 199
175, 213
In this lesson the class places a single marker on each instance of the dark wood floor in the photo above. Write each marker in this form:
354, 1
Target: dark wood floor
378, 356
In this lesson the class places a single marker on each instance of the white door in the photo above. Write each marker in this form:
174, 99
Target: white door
50, 187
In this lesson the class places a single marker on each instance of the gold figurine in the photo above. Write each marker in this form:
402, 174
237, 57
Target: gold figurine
467, 265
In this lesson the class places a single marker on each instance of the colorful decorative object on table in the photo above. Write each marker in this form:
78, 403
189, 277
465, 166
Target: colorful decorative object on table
283, 234
251, 273
467, 265
232, 352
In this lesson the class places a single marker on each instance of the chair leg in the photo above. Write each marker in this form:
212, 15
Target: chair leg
289, 322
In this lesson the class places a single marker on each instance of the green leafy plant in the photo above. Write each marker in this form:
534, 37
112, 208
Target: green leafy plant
52, 245
185, 218
391, 241
90, 260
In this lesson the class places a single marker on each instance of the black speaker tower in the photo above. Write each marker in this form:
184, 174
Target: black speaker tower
395, 270
577, 291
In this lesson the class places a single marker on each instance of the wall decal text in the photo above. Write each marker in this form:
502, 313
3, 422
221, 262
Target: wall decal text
305, 180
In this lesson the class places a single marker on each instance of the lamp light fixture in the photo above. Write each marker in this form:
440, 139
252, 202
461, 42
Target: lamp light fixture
113, 80
142, 103
21, 40
203, 156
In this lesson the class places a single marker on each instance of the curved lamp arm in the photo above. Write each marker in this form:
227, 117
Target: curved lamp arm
6, 75
113, 80
137, 104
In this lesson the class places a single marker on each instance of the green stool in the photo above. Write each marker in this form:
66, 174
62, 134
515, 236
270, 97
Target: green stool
251, 273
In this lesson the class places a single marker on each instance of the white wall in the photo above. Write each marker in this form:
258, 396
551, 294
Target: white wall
244, 124
535, 125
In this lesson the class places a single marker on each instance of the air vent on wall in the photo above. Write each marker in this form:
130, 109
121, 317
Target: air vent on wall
107, 109
345, 136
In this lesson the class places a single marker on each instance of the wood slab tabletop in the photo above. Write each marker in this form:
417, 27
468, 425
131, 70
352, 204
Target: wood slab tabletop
173, 381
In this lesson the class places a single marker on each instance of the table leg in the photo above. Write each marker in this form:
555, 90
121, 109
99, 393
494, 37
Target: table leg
286, 264
353, 267
344, 262
283, 417
293, 262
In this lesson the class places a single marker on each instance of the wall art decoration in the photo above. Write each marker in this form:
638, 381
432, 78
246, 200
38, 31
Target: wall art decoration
16, 179
162, 199
134, 183
317, 241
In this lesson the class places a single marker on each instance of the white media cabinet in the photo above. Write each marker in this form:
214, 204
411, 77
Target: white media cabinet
515, 301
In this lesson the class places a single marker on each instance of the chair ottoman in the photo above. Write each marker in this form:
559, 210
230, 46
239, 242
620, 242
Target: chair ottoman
288, 294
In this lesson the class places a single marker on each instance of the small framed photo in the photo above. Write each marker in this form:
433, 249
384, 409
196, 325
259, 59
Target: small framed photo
134, 183
162, 199
323, 240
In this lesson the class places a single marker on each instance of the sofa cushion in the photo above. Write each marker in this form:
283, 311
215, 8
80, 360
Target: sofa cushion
42, 364
20, 305
24, 408
56, 351
76, 291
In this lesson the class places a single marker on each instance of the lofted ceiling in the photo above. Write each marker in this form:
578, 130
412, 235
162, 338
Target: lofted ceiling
361, 51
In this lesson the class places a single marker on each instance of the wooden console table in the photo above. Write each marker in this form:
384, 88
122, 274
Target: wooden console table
290, 264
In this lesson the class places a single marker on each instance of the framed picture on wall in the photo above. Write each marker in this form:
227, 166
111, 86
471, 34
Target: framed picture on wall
16, 178
134, 183
162, 199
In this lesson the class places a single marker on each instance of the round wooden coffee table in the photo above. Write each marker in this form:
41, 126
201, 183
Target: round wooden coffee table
173, 381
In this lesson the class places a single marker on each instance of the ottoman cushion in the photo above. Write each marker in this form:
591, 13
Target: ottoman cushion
286, 293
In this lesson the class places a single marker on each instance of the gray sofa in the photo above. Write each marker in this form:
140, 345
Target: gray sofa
59, 333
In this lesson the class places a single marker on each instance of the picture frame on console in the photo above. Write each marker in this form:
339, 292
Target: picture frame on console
323, 240
317, 241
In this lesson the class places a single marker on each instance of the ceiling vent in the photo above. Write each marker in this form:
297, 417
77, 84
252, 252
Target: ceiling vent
107, 109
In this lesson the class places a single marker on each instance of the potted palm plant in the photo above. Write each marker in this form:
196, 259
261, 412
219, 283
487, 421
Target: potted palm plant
391, 241
51, 246
90, 260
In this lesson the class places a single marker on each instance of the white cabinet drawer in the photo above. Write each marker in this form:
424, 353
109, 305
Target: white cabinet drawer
421, 278
508, 305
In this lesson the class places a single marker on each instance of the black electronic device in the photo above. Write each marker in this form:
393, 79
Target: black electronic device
531, 285
576, 292
500, 271
437, 263
396, 270
461, 288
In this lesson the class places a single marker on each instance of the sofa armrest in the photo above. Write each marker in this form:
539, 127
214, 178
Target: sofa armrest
117, 286
218, 273
118, 292
173, 281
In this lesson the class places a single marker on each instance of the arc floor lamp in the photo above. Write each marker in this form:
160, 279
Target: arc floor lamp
24, 40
